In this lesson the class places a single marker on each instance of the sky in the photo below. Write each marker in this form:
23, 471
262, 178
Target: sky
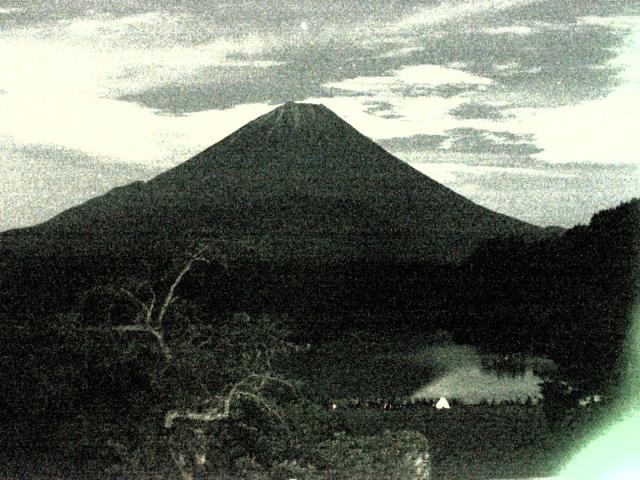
527, 107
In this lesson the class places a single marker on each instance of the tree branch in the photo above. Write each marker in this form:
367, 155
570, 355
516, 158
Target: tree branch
212, 415
149, 324
152, 307
260, 400
170, 298
181, 464
143, 306
166, 351
130, 328
236, 392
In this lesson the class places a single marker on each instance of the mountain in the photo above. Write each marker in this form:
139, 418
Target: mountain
295, 183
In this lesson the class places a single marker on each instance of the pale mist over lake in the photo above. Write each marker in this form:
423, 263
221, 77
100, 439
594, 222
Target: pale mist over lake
465, 379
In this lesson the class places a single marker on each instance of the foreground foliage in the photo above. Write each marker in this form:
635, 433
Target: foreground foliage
151, 390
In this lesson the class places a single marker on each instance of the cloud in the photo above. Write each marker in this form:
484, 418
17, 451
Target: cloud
410, 79
40, 182
10, 10
475, 110
508, 30
471, 140
542, 193
417, 143
80, 59
421, 115
565, 11
599, 130
281, 70
456, 11
467, 146
381, 109
225, 86
60, 83
548, 67
413, 100
117, 131
400, 52
555, 65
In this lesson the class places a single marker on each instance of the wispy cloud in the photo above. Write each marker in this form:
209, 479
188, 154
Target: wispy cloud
10, 10
543, 193
457, 11
410, 101
478, 110
509, 30
117, 131
413, 143
60, 85
151, 83
400, 52
600, 130
408, 79
419, 115
467, 146
39, 181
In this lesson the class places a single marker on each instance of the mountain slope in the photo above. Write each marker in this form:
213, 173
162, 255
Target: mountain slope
298, 182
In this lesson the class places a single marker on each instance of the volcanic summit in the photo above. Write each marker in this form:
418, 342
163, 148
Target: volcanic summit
296, 183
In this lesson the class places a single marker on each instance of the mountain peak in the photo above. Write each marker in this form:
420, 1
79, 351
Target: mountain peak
302, 124
293, 116
305, 184
297, 108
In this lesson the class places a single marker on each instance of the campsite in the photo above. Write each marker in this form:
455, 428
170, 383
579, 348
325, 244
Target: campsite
501, 436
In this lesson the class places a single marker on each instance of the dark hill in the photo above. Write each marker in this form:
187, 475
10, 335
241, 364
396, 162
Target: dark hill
296, 183
571, 297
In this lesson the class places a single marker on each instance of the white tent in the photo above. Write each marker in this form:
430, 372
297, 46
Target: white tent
442, 403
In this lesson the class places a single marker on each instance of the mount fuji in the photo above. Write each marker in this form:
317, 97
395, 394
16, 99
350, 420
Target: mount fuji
296, 183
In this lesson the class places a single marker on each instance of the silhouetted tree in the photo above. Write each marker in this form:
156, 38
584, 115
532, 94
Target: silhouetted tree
208, 373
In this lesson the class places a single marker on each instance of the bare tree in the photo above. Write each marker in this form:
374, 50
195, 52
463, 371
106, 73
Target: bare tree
218, 408
210, 372
251, 346
250, 388
153, 306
